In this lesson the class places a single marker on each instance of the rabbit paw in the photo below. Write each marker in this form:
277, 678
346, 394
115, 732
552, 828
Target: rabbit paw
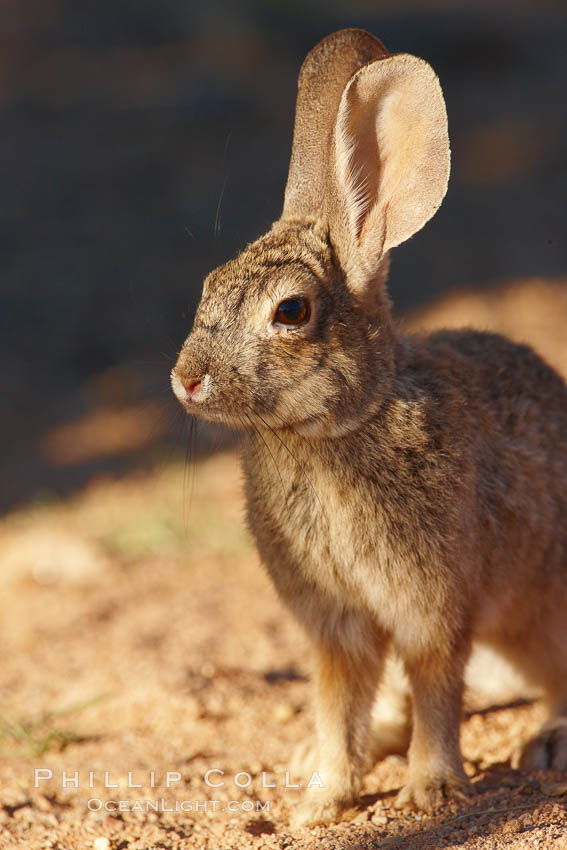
319, 810
428, 793
547, 750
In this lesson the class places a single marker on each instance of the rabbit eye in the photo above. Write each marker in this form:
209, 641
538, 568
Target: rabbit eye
292, 311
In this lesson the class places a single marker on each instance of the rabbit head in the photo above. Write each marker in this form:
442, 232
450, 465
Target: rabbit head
296, 331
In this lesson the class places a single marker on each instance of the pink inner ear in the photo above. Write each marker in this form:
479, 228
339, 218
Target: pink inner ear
391, 160
364, 167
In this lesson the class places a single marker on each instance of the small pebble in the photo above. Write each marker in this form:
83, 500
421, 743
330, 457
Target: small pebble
101, 843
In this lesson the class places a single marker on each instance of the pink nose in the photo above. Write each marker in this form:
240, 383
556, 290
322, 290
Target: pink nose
191, 387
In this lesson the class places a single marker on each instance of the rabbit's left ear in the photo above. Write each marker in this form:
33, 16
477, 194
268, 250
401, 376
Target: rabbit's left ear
389, 162
322, 79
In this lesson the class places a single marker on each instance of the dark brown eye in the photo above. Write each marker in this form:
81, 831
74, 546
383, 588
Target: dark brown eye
292, 311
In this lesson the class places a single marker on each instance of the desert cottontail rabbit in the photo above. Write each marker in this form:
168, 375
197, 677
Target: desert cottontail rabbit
408, 495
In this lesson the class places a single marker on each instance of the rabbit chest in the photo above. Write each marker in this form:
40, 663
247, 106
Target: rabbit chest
332, 541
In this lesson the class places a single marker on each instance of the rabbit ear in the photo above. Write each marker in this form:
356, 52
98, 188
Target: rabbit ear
323, 76
389, 162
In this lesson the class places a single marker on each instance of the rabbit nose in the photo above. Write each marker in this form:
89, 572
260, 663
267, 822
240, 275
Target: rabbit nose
192, 386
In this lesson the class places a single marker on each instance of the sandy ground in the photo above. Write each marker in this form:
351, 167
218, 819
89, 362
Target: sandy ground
142, 645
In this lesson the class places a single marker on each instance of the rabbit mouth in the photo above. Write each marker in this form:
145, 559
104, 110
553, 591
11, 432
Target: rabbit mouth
197, 398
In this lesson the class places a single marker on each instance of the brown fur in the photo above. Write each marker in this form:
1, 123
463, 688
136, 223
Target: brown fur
408, 495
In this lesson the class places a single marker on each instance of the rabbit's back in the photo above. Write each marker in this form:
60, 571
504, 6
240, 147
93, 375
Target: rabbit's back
525, 396
511, 407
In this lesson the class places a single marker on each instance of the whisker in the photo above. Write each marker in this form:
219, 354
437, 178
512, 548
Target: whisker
189, 427
299, 465
193, 428
310, 443
251, 441
257, 431
217, 225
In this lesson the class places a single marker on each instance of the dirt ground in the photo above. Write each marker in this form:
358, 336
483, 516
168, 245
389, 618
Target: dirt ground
143, 645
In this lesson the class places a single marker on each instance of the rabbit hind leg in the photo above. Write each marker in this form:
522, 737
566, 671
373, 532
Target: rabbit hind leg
548, 748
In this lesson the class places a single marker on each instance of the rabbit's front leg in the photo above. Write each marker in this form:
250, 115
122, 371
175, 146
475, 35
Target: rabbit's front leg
436, 767
345, 688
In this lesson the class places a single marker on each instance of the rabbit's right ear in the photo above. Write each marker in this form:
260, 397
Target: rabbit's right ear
322, 79
389, 162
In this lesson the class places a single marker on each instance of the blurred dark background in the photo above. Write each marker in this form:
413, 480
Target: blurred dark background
144, 141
